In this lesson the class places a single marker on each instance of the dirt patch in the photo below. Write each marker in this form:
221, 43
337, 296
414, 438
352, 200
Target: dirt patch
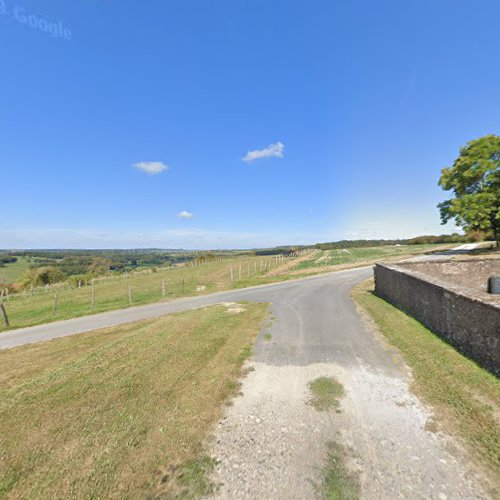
233, 307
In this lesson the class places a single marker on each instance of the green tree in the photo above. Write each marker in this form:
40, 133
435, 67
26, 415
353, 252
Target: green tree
38, 276
474, 179
99, 265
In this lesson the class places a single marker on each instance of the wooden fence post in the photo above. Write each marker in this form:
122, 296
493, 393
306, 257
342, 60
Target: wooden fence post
92, 297
54, 308
163, 288
232, 275
183, 284
3, 313
130, 296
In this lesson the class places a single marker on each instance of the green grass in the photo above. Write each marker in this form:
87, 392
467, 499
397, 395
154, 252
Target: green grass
121, 412
465, 398
267, 337
325, 393
10, 273
338, 483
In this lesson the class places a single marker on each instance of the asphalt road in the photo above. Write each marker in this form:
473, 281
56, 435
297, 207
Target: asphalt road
294, 301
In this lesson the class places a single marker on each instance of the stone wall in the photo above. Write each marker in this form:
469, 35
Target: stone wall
466, 318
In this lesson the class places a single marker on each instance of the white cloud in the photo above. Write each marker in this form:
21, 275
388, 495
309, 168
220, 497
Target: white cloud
151, 167
185, 215
273, 150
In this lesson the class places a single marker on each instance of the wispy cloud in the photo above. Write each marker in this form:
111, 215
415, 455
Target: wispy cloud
185, 215
151, 167
273, 150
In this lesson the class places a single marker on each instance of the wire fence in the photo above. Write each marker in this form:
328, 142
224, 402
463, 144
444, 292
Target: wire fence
72, 298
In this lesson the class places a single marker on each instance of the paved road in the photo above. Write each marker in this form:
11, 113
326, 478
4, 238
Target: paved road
313, 288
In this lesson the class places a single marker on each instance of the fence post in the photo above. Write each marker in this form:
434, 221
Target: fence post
163, 288
4, 315
183, 284
54, 308
232, 275
92, 297
7, 296
239, 272
130, 296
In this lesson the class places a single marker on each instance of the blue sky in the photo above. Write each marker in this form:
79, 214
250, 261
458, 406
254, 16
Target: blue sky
349, 110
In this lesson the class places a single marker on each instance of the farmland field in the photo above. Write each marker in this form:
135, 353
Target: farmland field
353, 255
121, 412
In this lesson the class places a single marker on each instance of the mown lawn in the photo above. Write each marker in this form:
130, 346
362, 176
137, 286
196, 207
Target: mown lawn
121, 412
465, 398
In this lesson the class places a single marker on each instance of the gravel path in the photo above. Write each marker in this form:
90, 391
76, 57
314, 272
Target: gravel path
273, 444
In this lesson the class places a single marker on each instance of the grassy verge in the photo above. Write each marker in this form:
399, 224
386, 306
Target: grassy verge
465, 398
124, 411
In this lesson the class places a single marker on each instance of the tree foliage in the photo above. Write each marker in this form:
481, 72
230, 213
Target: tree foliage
474, 179
38, 276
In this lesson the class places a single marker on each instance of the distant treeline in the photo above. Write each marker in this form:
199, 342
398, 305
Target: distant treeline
50, 266
419, 240
7, 259
72, 262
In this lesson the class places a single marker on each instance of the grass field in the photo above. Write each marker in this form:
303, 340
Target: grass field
465, 398
121, 412
11, 272
179, 281
327, 258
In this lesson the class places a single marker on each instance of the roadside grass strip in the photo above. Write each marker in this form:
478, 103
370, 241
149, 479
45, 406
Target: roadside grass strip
122, 412
465, 398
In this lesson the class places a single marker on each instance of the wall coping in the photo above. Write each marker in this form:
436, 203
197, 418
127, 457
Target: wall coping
462, 291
